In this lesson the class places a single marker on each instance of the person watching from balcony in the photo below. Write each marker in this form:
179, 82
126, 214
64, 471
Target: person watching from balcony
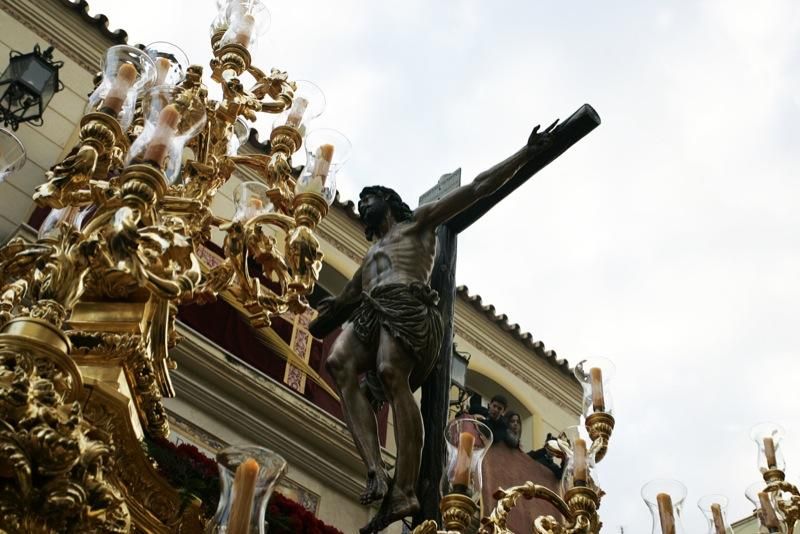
493, 416
513, 429
506, 464
546, 458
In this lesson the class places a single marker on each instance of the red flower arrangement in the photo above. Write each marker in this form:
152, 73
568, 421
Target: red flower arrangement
185, 467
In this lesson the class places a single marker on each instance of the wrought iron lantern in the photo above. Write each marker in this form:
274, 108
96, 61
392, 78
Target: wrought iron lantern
458, 369
27, 85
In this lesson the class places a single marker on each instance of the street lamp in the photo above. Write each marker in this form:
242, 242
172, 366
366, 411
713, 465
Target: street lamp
27, 85
458, 369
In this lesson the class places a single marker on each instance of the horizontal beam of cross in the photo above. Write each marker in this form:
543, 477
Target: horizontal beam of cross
564, 136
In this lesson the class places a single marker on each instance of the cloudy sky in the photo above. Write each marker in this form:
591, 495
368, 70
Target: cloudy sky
668, 240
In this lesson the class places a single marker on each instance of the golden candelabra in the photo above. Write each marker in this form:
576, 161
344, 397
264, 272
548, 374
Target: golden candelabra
87, 311
580, 496
776, 501
786, 499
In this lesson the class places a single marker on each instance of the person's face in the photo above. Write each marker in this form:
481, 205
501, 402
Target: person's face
515, 425
496, 410
372, 210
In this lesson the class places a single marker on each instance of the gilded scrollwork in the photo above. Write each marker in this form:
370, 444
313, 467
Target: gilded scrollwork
104, 346
100, 148
10, 298
159, 257
103, 292
787, 497
53, 464
156, 505
578, 506
305, 258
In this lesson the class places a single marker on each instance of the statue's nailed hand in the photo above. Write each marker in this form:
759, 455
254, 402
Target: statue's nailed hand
540, 139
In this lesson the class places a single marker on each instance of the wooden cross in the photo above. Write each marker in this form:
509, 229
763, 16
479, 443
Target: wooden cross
436, 389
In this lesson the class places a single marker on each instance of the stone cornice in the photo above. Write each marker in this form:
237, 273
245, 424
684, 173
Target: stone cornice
64, 25
512, 355
262, 410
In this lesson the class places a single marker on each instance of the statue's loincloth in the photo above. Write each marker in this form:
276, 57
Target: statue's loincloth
409, 313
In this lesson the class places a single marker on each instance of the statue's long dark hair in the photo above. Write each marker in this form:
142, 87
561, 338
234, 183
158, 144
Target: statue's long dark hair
400, 210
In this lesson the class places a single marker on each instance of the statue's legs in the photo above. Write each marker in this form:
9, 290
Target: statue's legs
349, 358
394, 368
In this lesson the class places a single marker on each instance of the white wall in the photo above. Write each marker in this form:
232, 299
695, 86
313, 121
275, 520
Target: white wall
46, 144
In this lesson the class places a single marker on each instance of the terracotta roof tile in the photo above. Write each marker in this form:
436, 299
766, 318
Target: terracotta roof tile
100, 21
476, 301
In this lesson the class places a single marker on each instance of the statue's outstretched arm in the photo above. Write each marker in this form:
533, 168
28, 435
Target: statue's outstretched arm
435, 213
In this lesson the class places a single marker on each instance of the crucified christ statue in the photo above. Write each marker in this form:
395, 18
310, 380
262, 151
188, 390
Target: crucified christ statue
394, 328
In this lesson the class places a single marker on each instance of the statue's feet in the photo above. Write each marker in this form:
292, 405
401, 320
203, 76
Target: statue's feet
377, 485
395, 506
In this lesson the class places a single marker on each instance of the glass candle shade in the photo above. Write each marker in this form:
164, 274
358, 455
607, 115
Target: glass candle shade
714, 508
240, 131
594, 375
222, 19
770, 518
12, 154
467, 440
71, 216
247, 476
246, 21
170, 121
578, 460
251, 200
768, 438
664, 498
308, 103
326, 151
171, 62
127, 71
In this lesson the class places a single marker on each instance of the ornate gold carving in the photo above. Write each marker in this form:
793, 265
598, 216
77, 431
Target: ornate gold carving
61, 262
578, 506
102, 346
115, 281
245, 241
100, 147
787, 497
10, 297
233, 58
142, 185
457, 511
600, 425
156, 507
53, 464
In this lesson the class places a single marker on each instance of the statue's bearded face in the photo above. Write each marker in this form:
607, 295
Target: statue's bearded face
373, 210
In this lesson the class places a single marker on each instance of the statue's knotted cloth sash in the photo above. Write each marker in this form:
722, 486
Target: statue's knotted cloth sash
409, 313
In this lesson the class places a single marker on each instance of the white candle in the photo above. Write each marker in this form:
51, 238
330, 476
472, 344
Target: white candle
244, 30
167, 125
295, 117
598, 399
665, 513
162, 68
118, 93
